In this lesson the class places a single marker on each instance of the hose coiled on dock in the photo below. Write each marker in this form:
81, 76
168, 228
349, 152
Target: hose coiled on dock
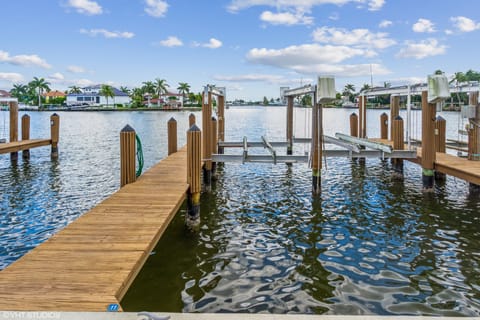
139, 156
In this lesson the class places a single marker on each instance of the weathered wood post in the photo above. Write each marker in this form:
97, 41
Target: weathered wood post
191, 120
394, 111
214, 144
440, 141
398, 144
384, 126
289, 125
26, 134
127, 155
172, 136
428, 142
13, 106
474, 135
354, 125
221, 121
317, 149
54, 134
194, 167
207, 138
362, 119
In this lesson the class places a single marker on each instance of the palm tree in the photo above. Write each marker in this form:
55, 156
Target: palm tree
19, 91
107, 91
160, 88
125, 90
349, 91
365, 87
39, 84
148, 89
184, 89
75, 90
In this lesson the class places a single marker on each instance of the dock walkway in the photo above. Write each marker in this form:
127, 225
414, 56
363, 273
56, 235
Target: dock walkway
23, 145
92, 262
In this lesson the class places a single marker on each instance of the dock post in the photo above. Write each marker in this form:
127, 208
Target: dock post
214, 144
127, 155
394, 111
428, 142
172, 136
384, 126
26, 134
54, 134
194, 167
398, 144
317, 149
474, 136
440, 142
191, 120
354, 125
290, 125
221, 122
207, 138
13, 106
362, 122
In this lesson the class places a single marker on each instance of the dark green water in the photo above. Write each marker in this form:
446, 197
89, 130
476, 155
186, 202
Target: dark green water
367, 245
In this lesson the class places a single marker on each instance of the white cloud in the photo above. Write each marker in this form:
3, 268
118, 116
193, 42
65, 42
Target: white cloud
251, 78
24, 60
76, 69
344, 70
156, 8
286, 18
423, 25
300, 5
375, 5
171, 42
212, 44
107, 34
11, 77
358, 37
385, 24
422, 49
464, 24
87, 7
56, 76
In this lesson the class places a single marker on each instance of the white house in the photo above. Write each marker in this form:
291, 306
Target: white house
91, 96
5, 97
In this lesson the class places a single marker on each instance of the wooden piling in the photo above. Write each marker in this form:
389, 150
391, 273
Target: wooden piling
384, 126
207, 140
221, 122
54, 134
440, 142
474, 132
13, 106
398, 144
317, 149
26, 134
394, 111
194, 167
354, 125
127, 155
362, 119
191, 120
214, 143
428, 142
172, 136
289, 125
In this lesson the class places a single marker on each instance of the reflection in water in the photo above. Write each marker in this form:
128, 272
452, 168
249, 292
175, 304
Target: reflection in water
368, 245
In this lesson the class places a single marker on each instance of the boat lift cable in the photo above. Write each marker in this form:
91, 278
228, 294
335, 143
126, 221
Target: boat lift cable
139, 156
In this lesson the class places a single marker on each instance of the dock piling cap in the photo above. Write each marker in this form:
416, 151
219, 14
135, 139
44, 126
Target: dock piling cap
172, 119
194, 128
127, 128
398, 118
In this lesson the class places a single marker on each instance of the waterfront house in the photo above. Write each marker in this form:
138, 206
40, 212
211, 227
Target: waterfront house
5, 97
168, 100
91, 96
53, 95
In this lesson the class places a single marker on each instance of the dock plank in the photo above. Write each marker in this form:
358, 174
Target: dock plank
92, 262
23, 145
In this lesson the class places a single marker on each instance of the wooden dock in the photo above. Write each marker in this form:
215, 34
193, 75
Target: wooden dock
23, 145
92, 262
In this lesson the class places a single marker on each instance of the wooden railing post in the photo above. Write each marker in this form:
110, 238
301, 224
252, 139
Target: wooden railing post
191, 120
172, 136
26, 134
440, 141
127, 155
13, 106
362, 119
394, 111
384, 126
289, 125
398, 144
317, 140
194, 167
207, 140
214, 143
54, 133
428, 142
221, 122
354, 125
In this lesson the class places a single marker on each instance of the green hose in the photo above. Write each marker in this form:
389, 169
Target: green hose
139, 156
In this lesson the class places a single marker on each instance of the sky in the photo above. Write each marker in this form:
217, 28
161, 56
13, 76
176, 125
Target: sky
251, 47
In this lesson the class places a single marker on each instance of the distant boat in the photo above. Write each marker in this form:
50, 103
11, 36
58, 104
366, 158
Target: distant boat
349, 105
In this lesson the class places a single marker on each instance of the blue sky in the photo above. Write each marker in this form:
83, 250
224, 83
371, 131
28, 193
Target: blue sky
252, 47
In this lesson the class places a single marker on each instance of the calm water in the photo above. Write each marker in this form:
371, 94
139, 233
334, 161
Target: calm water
368, 245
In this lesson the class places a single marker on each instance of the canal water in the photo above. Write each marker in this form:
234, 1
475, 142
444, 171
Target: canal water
367, 245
